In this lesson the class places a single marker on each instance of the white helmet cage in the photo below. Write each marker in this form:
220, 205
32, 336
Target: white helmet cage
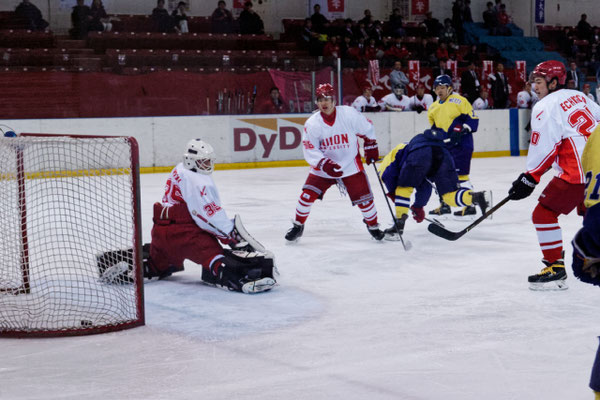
199, 156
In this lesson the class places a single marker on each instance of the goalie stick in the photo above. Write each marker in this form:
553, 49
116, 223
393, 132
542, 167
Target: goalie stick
449, 235
408, 245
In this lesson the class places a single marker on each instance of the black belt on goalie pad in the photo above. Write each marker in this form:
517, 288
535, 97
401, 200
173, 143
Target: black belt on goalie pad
175, 214
258, 266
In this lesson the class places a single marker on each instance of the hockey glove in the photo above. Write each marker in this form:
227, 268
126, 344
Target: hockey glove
371, 151
418, 213
419, 109
458, 132
330, 168
522, 187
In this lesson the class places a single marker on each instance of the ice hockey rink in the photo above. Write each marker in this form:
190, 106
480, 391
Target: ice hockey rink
352, 318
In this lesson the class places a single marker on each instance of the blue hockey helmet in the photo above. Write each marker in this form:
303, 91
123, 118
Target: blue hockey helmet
442, 80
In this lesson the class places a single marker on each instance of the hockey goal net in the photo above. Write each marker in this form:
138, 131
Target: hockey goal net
70, 249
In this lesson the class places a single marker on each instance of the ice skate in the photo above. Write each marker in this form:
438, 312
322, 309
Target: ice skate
394, 232
552, 277
375, 231
295, 232
482, 200
443, 210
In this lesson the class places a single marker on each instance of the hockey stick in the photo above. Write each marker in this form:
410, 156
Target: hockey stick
408, 245
449, 235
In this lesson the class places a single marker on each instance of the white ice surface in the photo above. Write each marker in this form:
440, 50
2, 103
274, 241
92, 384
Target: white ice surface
351, 319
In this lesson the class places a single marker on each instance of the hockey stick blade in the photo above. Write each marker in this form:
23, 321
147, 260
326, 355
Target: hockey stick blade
449, 235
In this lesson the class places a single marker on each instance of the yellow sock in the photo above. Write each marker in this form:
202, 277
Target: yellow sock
402, 200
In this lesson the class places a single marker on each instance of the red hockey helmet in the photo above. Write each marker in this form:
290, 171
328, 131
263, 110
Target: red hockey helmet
324, 90
550, 70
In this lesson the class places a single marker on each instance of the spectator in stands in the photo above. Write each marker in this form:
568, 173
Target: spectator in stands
457, 18
221, 19
499, 87
448, 34
574, 74
81, 17
310, 39
526, 98
469, 83
424, 53
366, 101
161, 18
100, 20
319, 22
481, 102
584, 29
361, 32
348, 28
30, 13
250, 21
376, 32
332, 48
472, 55
432, 25
565, 42
356, 53
395, 24
274, 104
490, 19
586, 90
467, 16
180, 18
367, 19
397, 51
373, 51
441, 69
503, 20
441, 54
397, 76
345, 46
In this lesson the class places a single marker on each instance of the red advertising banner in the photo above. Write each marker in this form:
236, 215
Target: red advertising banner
521, 70
488, 68
419, 7
452, 65
335, 6
414, 73
238, 3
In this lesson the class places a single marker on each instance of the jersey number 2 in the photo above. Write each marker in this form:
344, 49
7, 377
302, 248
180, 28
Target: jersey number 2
582, 121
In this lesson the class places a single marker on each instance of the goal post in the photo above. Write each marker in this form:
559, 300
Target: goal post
70, 243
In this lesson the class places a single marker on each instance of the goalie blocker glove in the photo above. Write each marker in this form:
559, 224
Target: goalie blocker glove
522, 187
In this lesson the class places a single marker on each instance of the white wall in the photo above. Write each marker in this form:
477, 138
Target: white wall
257, 138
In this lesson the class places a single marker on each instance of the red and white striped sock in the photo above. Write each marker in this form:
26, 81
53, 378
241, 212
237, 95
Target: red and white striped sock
369, 212
548, 232
305, 202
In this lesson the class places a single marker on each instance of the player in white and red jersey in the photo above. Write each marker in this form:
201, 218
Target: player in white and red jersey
561, 122
526, 98
421, 101
189, 223
330, 144
366, 101
395, 101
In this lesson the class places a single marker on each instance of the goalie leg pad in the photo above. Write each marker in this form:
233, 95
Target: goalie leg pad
247, 272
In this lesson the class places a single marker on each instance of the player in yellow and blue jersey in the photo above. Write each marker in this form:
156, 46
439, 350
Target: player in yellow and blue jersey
416, 165
586, 244
454, 114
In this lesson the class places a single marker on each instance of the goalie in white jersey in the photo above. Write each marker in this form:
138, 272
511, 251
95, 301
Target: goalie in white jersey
395, 101
330, 144
561, 122
190, 222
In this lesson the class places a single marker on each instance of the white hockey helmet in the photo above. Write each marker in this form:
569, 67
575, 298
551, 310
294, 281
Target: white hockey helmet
199, 156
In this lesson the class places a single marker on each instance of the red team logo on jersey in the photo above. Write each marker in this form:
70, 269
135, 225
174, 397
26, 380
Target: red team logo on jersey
172, 193
211, 209
535, 137
335, 142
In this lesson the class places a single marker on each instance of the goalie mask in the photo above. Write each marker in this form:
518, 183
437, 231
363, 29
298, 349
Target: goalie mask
199, 157
398, 90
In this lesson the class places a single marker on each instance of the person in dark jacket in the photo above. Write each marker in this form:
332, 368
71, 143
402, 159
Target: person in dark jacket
30, 13
81, 17
250, 21
162, 20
